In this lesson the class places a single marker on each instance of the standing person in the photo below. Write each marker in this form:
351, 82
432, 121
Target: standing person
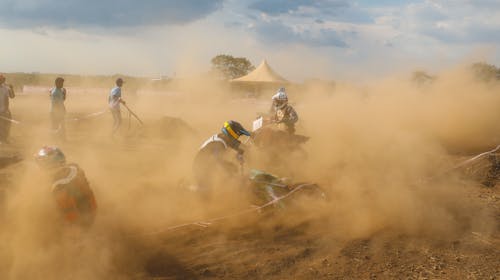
57, 109
6, 92
114, 100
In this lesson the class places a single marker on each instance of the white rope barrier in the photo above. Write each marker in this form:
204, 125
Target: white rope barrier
10, 120
475, 158
460, 165
93, 115
209, 222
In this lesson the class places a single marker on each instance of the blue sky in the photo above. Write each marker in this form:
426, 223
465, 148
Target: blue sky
331, 39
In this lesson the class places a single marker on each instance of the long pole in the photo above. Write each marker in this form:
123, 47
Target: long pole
133, 114
10, 120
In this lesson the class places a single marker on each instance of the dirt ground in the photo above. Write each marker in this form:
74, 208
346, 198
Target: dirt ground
384, 219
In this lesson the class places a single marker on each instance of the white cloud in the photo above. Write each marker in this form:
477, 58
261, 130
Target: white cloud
341, 38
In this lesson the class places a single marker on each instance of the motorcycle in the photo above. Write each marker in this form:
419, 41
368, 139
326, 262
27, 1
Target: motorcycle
275, 144
268, 189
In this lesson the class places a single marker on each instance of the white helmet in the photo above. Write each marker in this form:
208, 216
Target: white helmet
49, 157
280, 99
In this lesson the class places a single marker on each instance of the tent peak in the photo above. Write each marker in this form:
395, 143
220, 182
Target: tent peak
262, 74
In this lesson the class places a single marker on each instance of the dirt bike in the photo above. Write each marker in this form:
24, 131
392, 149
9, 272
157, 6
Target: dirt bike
270, 190
266, 190
278, 145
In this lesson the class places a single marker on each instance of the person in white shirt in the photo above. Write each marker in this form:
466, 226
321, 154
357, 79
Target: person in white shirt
57, 109
6, 92
114, 100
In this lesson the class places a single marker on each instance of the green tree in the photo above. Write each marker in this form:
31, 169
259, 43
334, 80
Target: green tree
485, 72
421, 78
231, 67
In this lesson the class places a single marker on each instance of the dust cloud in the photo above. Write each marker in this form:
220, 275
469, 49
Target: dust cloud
371, 147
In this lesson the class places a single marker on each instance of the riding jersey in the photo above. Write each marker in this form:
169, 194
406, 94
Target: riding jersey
73, 195
287, 116
213, 154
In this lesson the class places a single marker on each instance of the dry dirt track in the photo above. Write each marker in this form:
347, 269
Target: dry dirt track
262, 247
304, 251
134, 181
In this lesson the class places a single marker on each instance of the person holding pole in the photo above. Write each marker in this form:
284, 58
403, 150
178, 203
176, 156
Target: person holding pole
6, 92
57, 108
114, 100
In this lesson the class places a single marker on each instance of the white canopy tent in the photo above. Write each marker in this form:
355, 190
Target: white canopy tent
263, 78
262, 74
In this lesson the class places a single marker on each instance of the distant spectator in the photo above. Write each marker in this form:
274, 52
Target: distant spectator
57, 109
6, 92
114, 100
